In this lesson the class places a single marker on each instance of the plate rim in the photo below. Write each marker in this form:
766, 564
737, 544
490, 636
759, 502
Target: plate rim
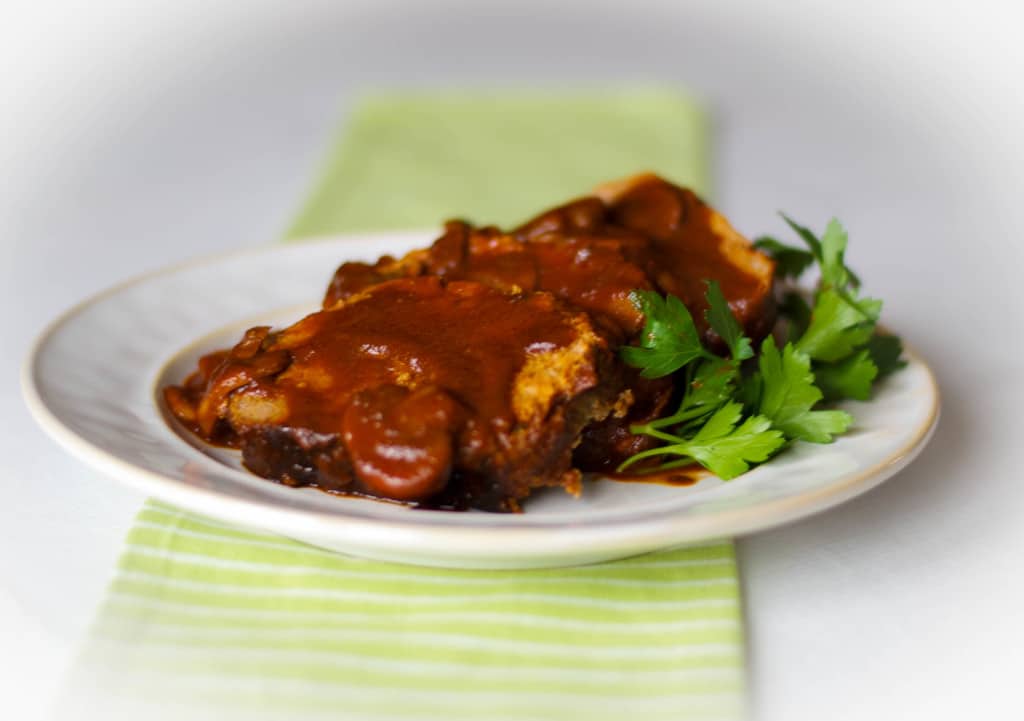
483, 541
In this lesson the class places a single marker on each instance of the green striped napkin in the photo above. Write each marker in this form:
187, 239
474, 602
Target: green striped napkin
207, 621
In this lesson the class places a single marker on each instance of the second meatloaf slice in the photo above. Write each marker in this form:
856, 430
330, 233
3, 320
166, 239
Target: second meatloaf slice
417, 390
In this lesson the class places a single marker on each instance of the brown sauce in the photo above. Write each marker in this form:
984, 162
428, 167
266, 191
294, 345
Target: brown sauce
685, 476
391, 392
593, 253
469, 373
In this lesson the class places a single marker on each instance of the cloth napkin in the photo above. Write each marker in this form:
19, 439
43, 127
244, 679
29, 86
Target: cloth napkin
204, 620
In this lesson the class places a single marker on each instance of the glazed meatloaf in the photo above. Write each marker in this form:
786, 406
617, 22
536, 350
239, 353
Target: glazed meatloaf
639, 233
469, 373
416, 390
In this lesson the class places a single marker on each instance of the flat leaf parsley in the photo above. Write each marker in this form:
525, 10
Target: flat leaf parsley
669, 340
733, 414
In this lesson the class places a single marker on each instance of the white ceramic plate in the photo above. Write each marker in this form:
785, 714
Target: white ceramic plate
93, 380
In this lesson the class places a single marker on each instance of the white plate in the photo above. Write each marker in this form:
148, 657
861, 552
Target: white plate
93, 380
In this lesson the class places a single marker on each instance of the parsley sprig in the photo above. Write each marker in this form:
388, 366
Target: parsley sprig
669, 340
734, 414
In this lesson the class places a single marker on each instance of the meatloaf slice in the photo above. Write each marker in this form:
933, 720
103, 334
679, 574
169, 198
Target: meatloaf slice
638, 233
415, 389
687, 243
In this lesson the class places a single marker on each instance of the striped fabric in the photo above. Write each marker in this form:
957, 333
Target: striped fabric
207, 621
215, 621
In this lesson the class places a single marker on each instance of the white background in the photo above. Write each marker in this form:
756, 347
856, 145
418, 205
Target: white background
135, 134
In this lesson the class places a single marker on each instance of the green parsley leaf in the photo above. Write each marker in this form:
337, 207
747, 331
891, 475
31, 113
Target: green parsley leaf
669, 340
731, 415
806, 235
886, 352
712, 385
789, 394
709, 383
833, 249
790, 262
721, 319
829, 251
723, 447
838, 326
727, 450
849, 378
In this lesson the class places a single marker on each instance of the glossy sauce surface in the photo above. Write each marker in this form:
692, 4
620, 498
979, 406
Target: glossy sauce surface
408, 374
691, 243
415, 332
411, 382
594, 252
685, 476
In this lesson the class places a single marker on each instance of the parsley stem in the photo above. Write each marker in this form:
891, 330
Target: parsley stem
678, 449
675, 419
648, 430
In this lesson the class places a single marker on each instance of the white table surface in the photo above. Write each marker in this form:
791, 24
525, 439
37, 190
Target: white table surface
136, 135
